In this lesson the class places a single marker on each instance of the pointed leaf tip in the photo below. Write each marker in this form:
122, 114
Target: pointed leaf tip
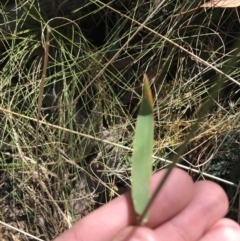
146, 107
147, 90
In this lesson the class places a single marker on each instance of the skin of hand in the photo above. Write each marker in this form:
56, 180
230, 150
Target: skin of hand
183, 211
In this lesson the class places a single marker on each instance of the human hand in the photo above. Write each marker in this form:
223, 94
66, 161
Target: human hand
183, 211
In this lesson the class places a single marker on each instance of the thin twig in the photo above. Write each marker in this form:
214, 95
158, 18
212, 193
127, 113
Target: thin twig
41, 89
20, 231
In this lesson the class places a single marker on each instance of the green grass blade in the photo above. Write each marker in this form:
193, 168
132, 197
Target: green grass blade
142, 152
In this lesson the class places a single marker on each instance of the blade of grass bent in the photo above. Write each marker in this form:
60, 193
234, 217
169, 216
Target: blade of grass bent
142, 152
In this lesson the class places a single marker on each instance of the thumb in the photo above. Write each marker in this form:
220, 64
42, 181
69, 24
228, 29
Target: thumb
136, 234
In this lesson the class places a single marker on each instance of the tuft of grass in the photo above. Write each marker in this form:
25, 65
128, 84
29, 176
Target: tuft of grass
88, 97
